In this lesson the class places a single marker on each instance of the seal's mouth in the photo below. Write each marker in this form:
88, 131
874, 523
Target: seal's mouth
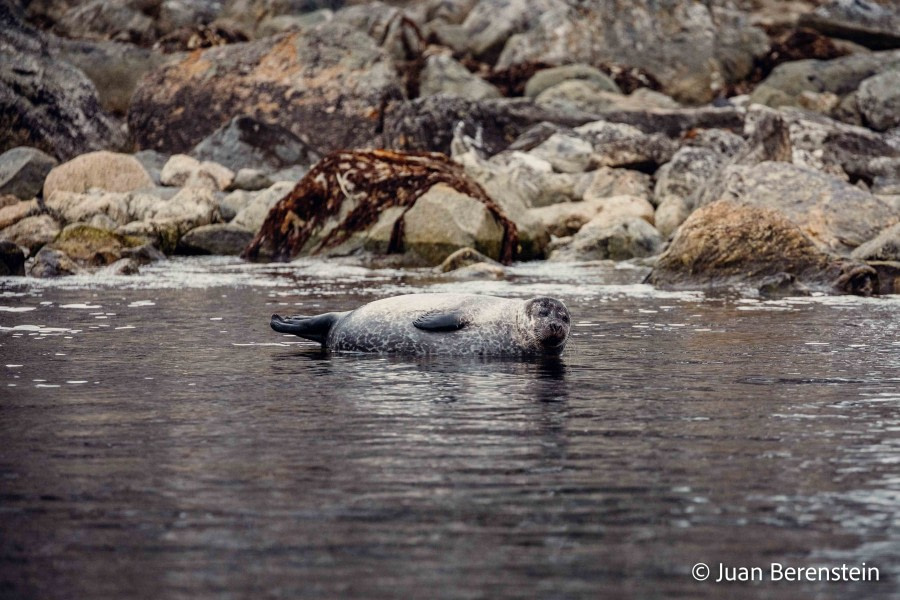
554, 335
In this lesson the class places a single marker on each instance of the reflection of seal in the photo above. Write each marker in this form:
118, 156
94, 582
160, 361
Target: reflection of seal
452, 324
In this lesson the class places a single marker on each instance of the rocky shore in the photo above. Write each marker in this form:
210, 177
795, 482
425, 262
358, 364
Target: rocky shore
748, 143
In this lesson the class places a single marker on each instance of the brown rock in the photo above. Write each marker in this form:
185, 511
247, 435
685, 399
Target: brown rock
107, 171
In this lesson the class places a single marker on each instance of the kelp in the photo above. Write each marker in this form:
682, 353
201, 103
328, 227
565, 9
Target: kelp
372, 181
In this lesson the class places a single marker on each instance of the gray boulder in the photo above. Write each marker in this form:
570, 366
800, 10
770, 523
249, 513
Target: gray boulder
219, 238
252, 208
879, 100
872, 23
116, 20
601, 239
444, 75
53, 263
23, 170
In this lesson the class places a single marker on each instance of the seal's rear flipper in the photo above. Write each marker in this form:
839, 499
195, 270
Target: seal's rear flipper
440, 321
311, 328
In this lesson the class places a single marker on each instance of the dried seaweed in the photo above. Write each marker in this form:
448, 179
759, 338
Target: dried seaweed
373, 181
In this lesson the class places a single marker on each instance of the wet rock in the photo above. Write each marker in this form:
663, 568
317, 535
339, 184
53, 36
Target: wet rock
444, 75
872, 23
182, 170
444, 220
218, 238
143, 254
726, 244
13, 213
715, 46
50, 262
602, 239
888, 275
12, 259
107, 171
482, 270
47, 103
249, 143
92, 247
253, 208
347, 193
114, 68
548, 78
879, 100
464, 257
568, 218
836, 215
328, 84
123, 266
885, 246
23, 170
32, 233
106, 20
840, 76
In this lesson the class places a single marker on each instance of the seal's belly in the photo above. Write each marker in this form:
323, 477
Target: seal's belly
390, 338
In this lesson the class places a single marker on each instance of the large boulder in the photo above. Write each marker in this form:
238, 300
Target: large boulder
731, 244
328, 83
23, 170
93, 247
103, 170
714, 45
879, 100
44, 102
182, 170
836, 215
872, 23
218, 238
248, 143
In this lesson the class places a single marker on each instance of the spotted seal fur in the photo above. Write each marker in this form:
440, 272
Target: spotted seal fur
443, 324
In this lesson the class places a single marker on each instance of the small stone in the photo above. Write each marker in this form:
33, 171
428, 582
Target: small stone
878, 100
885, 246
567, 154
251, 180
444, 75
464, 257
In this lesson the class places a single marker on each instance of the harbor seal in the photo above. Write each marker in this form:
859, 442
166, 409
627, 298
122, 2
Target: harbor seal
441, 324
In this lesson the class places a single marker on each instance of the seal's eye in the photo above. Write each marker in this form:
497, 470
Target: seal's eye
564, 318
544, 312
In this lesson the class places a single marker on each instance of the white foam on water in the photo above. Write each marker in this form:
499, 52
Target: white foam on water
17, 309
80, 305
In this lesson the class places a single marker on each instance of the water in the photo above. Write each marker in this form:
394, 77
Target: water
159, 440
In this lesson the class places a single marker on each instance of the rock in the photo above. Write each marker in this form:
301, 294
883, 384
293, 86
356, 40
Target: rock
253, 213
723, 142
677, 122
566, 153
47, 103
444, 75
482, 270
607, 181
52, 263
585, 96
885, 246
153, 162
670, 214
218, 238
602, 239
107, 171
249, 143
444, 220
328, 83
548, 78
726, 244
251, 180
182, 170
872, 23
114, 68
106, 20
836, 215
189, 208
287, 23
689, 169
12, 214
879, 99
123, 266
490, 23
839, 76
568, 218
464, 257
714, 46
888, 275
71, 207
92, 247
23, 170
12, 259
619, 145
32, 233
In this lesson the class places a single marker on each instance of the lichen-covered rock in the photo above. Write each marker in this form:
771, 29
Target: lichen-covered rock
23, 170
249, 143
47, 103
444, 75
879, 100
50, 262
617, 239
885, 246
32, 233
566, 153
103, 170
872, 23
548, 78
727, 243
714, 46
12, 260
444, 220
836, 215
328, 83
587, 96
219, 238
72, 207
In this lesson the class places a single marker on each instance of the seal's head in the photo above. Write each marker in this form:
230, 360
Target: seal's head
547, 323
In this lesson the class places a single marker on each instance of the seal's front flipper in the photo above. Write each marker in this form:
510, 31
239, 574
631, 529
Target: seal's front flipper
441, 321
311, 328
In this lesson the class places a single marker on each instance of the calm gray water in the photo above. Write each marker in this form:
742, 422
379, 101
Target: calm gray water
158, 440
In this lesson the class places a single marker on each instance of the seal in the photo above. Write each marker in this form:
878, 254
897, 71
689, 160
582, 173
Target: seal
439, 324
